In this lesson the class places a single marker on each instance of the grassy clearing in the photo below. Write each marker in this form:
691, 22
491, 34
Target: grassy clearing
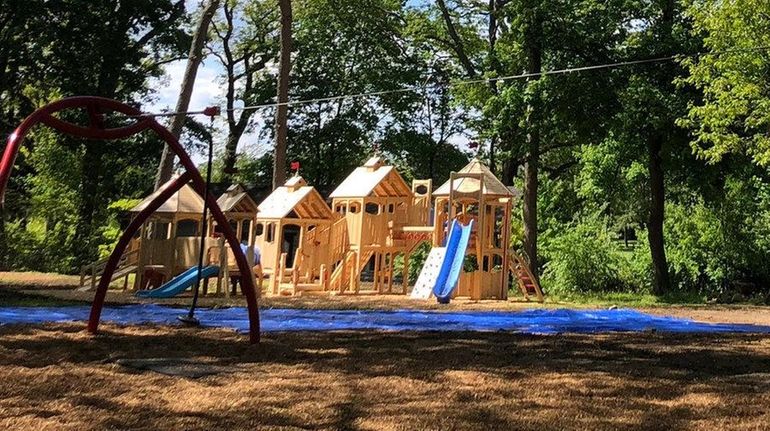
631, 299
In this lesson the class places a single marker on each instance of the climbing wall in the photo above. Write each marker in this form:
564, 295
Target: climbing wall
427, 279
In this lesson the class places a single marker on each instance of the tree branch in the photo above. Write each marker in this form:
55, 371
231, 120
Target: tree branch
457, 44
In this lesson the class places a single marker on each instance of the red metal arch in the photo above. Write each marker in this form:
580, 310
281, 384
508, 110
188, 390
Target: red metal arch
96, 107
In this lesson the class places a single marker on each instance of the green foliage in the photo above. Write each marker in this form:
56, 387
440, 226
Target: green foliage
734, 114
417, 156
416, 262
582, 257
721, 246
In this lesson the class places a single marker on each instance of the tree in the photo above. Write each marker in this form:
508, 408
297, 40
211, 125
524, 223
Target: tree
194, 58
419, 142
76, 42
734, 114
347, 47
244, 52
281, 112
538, 121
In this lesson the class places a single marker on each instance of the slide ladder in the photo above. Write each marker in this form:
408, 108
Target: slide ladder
527, 282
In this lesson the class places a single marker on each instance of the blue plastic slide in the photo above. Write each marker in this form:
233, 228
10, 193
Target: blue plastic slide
180, 283
449, 275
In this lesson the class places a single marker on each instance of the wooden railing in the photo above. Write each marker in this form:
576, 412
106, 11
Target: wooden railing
92, 272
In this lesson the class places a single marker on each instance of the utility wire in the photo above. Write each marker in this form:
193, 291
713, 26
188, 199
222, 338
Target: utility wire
413, 88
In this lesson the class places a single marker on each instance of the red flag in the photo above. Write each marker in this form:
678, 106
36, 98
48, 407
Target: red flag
294, 166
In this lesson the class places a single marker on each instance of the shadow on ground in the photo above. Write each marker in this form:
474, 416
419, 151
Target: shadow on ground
58, 376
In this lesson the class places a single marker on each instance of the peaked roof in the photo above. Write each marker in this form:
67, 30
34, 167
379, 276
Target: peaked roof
294, 197
184, 201
492, 186
236, 199
372, 178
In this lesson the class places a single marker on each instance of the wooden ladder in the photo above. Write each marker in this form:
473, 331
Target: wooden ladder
527, 282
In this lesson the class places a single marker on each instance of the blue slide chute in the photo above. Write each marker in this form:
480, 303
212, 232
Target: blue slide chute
179, 283
449, 275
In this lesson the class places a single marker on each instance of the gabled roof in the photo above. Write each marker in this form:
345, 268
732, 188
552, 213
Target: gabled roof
184, 201
372, 179
236, 199
297, 199
492, 186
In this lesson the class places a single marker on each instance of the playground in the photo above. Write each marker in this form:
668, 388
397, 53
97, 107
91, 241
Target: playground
340, 337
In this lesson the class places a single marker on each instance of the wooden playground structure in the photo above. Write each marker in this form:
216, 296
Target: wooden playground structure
362, 244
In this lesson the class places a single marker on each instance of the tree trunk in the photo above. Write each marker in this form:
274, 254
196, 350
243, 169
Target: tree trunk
660, 279
195, 56
91, 174
530, 197
660, 283
534, 60
281, 113
229, 159
494, 65
510, 169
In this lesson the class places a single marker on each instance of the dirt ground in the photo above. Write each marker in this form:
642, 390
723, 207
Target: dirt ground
58, 377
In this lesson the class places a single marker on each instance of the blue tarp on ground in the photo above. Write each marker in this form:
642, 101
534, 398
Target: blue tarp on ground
527, 321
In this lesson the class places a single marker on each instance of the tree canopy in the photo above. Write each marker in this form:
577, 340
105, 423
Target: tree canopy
648, 173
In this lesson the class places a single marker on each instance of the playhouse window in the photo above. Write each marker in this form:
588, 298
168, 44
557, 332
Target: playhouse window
186, 228
259, 229
421, 190
340, 208
372, 208
270, 232
245, 230
233, 225
354, 208
391, 208
158, 230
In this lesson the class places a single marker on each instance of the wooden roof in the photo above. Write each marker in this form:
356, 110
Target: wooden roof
295, 199
372, 179
236, 199
492, 186
184, 201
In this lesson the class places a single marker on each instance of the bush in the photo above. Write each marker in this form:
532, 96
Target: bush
582, 258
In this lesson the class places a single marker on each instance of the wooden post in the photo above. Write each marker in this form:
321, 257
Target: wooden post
377, 269
505, 242
405, 274
93, 277
323, 277
279, 273
222, 263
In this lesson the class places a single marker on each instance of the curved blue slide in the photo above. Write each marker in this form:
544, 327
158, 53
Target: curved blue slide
180, 283
449, 274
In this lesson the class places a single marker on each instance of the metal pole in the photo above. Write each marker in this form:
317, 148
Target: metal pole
190, 318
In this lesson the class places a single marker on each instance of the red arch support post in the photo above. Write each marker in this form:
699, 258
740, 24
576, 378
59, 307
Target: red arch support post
96, 107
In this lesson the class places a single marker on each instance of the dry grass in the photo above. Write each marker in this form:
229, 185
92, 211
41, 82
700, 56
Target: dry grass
58, 377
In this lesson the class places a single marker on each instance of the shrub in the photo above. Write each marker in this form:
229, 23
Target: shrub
582, 258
